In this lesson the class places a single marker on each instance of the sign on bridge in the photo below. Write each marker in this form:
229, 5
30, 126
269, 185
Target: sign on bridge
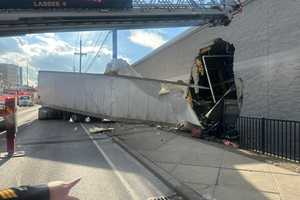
80, 4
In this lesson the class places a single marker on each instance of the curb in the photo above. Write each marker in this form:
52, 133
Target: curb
169, 180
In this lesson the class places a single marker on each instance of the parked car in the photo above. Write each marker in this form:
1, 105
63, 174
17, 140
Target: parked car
25, 101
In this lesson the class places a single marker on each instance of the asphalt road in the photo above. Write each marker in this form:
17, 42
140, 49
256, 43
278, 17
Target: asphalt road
60, 150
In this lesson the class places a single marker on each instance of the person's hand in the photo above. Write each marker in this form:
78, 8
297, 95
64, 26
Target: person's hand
59, 190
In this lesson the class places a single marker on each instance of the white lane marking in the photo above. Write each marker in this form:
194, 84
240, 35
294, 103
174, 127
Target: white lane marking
112, 165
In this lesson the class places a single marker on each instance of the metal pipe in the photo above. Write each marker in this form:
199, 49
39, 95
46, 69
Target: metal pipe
208, 79
216, 104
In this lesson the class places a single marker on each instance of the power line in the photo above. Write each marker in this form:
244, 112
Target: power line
95, 44
98, 52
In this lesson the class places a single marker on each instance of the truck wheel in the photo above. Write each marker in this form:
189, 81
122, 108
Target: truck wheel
94, 119
49, 113
43, 113
82, 118
66, 116
58, 114
77, 118
74, 118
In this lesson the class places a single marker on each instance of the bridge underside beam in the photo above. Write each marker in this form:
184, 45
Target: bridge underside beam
18, 23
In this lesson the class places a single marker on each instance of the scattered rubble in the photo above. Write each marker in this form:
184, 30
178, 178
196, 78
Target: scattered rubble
97, 130
231, 144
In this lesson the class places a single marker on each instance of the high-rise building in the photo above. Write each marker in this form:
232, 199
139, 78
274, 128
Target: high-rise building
20, 76
10, 75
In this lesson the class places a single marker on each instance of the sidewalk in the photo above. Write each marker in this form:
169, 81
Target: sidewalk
208, 168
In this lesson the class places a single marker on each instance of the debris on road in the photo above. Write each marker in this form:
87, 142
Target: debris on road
231, 144
97, 130
196, 132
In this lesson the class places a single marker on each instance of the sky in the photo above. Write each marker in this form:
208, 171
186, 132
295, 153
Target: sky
55, 51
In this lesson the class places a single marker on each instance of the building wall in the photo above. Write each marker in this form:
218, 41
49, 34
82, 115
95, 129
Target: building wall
10, 73
20, 76
267, 41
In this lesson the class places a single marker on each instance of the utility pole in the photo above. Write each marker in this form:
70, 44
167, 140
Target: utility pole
27, 75
80, 55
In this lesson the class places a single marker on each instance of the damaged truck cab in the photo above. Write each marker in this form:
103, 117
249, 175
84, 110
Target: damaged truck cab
218, 107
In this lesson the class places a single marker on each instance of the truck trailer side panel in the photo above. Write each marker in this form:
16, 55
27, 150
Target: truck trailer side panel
115, 97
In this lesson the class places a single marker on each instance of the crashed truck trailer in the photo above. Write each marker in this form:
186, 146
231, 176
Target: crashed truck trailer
113, 97
208, 100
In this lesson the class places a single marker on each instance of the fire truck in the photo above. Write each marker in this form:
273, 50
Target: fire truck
8, 108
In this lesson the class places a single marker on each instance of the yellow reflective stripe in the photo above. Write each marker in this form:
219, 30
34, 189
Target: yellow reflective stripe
7, 194
4, 195
12, 193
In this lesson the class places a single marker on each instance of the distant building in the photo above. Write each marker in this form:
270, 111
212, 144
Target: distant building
20, 76
11, 76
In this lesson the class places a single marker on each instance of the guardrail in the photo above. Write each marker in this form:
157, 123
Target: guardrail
278, 138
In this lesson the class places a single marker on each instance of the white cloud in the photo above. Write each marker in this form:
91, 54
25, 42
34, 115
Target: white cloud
128, 60
14, 58
50, 34
53, 51
87, 33
89, 42
105, 51
89, 49
93, 50
150, 39
54, 45
48, 44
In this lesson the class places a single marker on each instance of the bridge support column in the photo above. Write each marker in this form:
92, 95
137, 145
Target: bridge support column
115, 44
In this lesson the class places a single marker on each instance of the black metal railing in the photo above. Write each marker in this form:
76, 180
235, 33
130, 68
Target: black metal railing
279, 138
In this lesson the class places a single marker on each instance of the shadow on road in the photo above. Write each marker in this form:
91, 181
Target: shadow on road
59, 141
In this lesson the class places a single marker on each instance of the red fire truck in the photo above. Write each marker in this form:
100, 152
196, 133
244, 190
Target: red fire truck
8, 108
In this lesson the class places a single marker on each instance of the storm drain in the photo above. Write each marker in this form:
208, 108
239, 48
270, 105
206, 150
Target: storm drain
159, 198
166, 197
